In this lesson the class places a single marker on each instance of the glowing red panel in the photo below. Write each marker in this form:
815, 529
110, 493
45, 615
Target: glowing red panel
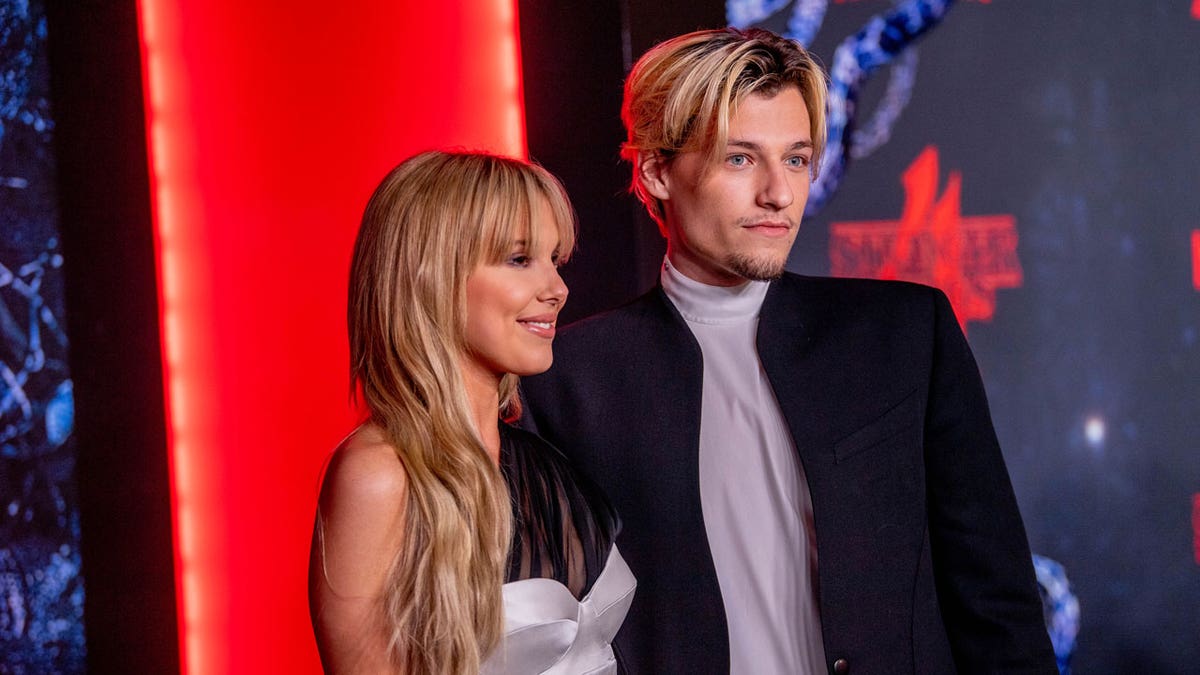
268, 124
1196, 9
968, 257
1196, 256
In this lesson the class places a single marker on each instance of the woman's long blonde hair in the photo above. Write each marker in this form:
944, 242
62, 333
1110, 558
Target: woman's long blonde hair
430, 222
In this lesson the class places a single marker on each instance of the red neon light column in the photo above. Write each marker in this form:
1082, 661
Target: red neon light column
269, 123
1196, 259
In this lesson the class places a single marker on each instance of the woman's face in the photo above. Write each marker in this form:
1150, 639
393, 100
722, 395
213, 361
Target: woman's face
513, 305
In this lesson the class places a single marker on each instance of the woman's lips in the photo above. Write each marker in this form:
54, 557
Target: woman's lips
542, 326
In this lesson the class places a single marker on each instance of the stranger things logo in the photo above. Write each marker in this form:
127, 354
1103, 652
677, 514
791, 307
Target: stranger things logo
968, 257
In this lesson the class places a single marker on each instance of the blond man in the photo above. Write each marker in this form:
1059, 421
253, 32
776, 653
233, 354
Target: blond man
806, 468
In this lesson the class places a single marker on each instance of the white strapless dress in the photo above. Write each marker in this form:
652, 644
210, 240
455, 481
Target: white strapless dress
548, 631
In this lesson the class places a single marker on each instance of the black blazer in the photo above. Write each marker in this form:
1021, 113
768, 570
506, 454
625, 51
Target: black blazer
923, 564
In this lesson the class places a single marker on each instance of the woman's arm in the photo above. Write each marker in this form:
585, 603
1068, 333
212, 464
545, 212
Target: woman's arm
359, 530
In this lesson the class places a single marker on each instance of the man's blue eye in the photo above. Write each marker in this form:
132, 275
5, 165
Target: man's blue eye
738, 160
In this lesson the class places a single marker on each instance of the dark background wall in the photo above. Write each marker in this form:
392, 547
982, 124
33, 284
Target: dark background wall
574, 64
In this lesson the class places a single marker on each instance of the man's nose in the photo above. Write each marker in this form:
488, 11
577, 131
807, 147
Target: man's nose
775, 191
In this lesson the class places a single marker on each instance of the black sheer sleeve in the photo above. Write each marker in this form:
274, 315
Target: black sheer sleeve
563, 527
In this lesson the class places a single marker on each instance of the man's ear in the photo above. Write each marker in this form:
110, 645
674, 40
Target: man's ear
652, 168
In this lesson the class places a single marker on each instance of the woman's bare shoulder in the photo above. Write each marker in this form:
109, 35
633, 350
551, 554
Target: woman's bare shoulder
358, 534
365, 467
363, 498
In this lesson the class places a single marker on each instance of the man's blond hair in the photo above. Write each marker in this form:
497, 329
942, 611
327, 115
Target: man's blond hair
680, 95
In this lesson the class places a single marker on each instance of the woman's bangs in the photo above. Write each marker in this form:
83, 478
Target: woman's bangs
506, 220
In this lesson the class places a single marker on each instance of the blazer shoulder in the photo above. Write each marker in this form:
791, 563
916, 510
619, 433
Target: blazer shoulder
651, 306
863, 296
852, 286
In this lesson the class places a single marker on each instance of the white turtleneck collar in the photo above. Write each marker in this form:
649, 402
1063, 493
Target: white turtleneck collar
753, 493
701, 303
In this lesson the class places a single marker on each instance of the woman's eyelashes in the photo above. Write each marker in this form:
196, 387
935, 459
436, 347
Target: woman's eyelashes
522, 258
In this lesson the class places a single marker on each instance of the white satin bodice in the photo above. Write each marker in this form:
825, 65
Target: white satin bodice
548, 631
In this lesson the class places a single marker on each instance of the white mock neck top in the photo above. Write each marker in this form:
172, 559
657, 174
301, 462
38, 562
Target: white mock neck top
755, 499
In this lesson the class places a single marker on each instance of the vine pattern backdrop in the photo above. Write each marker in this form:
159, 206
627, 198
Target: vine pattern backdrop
41, 587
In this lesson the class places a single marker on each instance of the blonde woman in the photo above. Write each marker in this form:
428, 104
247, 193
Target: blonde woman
447, 541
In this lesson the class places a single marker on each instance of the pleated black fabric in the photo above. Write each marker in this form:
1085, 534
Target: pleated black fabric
563, 527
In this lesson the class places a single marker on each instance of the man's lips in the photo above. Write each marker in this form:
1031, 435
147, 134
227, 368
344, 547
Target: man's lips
770, 228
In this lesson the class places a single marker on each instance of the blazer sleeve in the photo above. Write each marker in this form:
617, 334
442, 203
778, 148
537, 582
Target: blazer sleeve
982, 564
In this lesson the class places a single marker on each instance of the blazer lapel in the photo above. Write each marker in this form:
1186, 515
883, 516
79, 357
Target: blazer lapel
787, 332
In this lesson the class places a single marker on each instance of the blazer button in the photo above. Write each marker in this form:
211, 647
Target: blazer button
841, 666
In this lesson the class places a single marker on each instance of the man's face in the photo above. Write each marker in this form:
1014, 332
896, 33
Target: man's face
737, 219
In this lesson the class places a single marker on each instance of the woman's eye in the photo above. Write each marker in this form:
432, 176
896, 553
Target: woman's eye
519, 260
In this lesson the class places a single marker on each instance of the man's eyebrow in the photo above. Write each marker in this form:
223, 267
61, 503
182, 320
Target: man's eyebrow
751, 145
